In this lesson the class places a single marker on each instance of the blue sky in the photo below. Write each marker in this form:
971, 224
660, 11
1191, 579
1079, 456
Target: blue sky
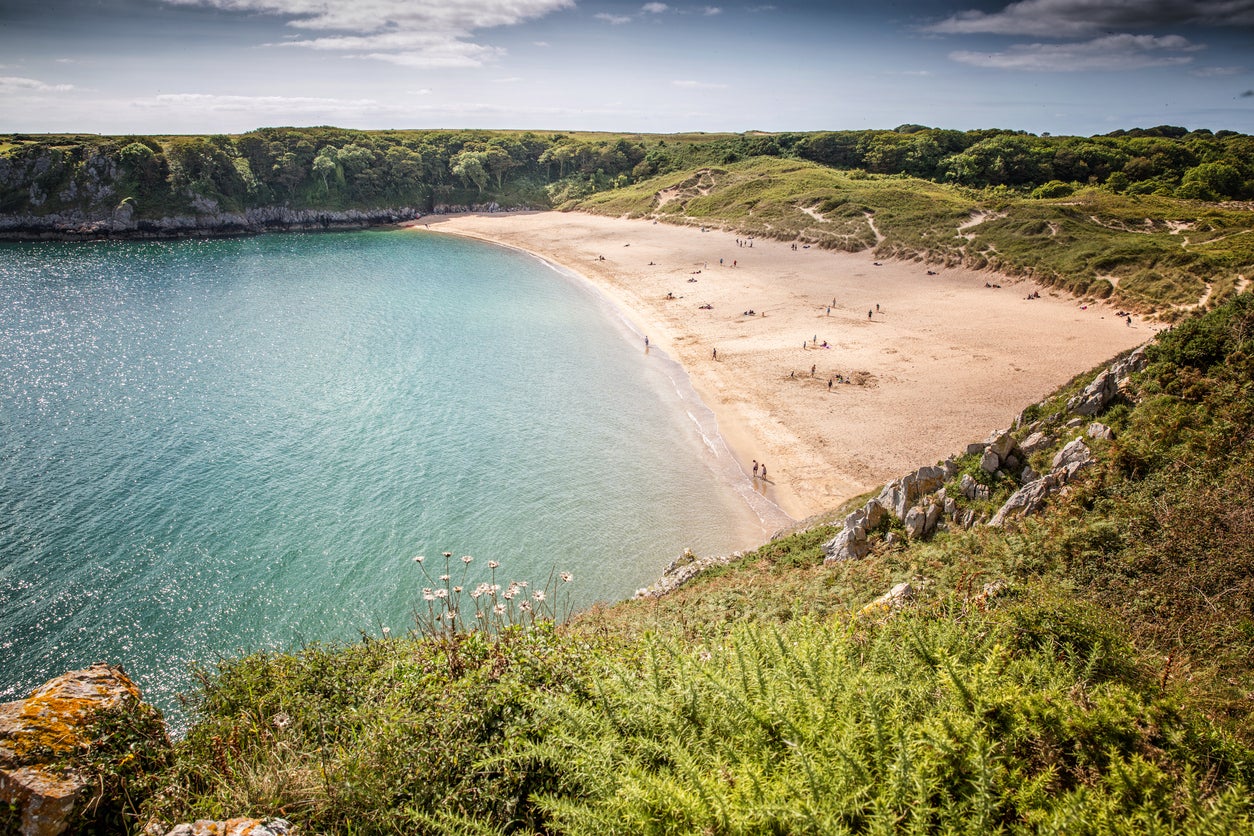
226, 66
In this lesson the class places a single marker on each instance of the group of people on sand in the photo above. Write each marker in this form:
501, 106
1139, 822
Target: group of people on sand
744, 242
1036, 294
759, 470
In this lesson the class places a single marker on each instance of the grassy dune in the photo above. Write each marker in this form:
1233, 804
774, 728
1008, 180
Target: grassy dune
1154, 254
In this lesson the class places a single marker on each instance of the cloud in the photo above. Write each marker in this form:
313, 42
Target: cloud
541, 44
613, 20
699, 85
15, 85
1113, 52
654, 8
1072, 18
1216, 72
413, 33
711, 10
266, 105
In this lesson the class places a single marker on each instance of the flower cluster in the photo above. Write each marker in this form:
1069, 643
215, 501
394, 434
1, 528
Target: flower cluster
490, 607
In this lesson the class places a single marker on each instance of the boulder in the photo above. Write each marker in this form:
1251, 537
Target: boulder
1075, 451
893, 599
1035, 441
989, 462
38, 733
1099, 430
1028, 499
1096, 395
915, 523
848, 544
968, 486
1002, 443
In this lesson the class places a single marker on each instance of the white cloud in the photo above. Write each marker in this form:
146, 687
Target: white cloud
15, 85
699, 85
1113, 52
613, 20
1216, 72
414, 33
712, 10
541, 44
1072, 18
654, 8
263, 105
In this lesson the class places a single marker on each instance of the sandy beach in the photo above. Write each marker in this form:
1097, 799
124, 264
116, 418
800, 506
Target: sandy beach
936, 356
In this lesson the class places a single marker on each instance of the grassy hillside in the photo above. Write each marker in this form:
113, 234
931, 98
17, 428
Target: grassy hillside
1151, 253
1086, 670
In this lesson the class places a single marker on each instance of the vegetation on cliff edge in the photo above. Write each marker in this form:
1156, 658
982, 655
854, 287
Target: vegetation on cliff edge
1106, 688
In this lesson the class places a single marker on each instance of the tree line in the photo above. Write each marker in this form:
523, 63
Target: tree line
335, 168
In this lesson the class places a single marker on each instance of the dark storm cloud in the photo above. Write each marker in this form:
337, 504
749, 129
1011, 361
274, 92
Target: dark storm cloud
1071, 18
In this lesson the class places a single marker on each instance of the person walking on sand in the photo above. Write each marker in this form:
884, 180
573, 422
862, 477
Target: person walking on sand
868, 314
813, 366
646, 340
716, 354
755, 468
763, 470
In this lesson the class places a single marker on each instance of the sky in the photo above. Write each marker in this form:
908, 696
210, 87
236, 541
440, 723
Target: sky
1078, 67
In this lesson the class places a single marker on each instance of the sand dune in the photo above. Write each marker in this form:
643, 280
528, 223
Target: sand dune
941, 360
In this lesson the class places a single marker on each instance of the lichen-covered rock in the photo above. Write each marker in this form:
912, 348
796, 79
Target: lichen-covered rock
230, 827
893, 599
46, 728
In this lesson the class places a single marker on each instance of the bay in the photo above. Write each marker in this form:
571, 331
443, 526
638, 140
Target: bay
215, 446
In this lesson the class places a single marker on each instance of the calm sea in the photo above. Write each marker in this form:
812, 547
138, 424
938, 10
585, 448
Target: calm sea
208, 447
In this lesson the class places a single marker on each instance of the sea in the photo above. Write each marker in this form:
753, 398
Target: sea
213, 447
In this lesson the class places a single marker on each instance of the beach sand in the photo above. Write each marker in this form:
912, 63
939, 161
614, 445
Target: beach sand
942, 361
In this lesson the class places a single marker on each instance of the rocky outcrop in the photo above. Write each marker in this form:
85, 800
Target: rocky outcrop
230, 827
1098, 394
121, 223
681, 570
894, 599
1031, 497
39, 733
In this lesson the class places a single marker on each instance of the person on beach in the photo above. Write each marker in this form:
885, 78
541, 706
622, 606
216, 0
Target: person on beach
813, 366
716, 354
763, 470
829, 384
755, 468
646, 340
868, 314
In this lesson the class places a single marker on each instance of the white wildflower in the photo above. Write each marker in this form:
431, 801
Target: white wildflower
566, 577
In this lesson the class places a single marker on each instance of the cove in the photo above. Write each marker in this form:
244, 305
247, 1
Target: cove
215, 446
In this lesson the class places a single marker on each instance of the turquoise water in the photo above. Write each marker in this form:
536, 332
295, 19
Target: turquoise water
223, 445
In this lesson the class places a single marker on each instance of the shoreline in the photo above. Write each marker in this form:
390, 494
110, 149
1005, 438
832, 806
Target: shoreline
944, 356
